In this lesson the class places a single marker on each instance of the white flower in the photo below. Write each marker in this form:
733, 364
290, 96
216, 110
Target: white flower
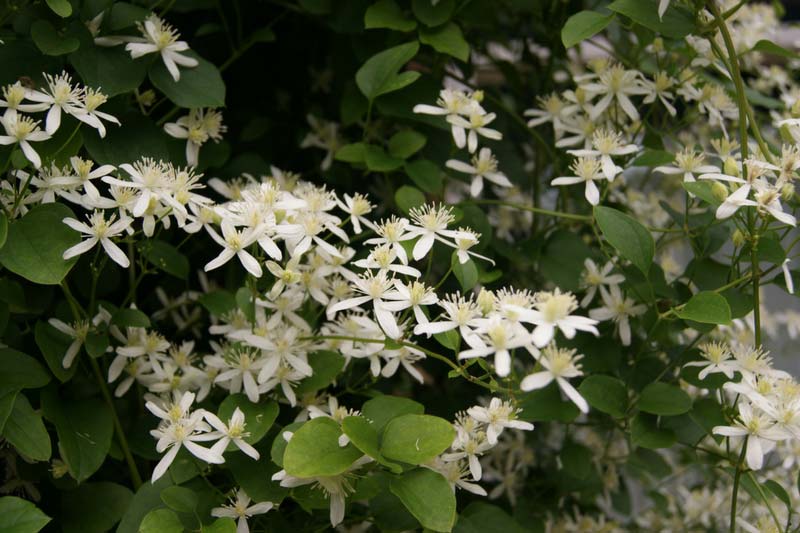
432, 222
735, 200
476, 125
99, 230
60, 95
619, 309
498, 416
23, 130
461, 313
552, 310
688, 163
484, 165
88, 113
13, 96
607, 143
161, 38
357, 206
234, 243
594, 278
499, 338
240, 509
559, 365
452, 102
587, 170
82, 176
787, 276
393, 232
376, 289
760, 431
616, 83
718, 358
233, 431
77, 332
197, 128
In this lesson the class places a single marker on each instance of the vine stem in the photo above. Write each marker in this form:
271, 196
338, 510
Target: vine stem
737, 475
539, 210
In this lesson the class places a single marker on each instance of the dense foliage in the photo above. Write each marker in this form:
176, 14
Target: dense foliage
460, 265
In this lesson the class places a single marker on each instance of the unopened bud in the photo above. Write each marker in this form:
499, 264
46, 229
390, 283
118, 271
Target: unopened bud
731, 167
787, 192
478, 96
738, 238
658, 44
786, 133
795, 110
719, 190
485, 301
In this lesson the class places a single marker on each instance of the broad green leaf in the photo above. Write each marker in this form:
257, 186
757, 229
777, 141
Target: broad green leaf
382, 409
562, 259
664, 399
139, 137
653, 158
465, 273
378, 160
161, 521
258, 417
130, 318
416, 439
387, 14
96, 344
676, 23
364, 436
646, 433
407, 197
110, 69
779, 492
433, 13
425, 174
314, 450
482, 517
21, 371
351, 153
378, 75
94, 507
53, 344
326, 365
199, 86
606, 394
179, 499
50, 41
20, 516
218, 302
36, 243
576, 460
7, 400
447, 39
629, 237
166, 257
703, 190
220, 525
406, 143
3, 229
84, 428
547, 404
428, 496
255, 477
708, 414
62, 8
706, 307
583, 25
148, 497
25, 431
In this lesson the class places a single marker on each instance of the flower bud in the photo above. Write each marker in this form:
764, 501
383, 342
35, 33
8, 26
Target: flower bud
486, 301
787, 192
658, 44
478, 96
738, 238
786, 133
719, 190
731, 167
795, 110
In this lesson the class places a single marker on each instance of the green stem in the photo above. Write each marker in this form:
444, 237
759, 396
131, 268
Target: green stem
765, 499
736, 477
539, 210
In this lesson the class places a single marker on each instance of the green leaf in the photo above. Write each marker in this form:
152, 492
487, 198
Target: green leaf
94, 507
768, 47
646, 433
481, 517
179, 499
387, 14
21, 371
364, 436
199, 86
130, 318
381, 409
108, 68
583, 25
378, 160
140, 137
606, 394
255, 477
425, 174
96, 344
654, 158
84, 428
466, 273
407, 197
314, 450
433, 15
50, 41
148, 497
351, 153
258, 417
166, 257
218, 302
378, 75
161, 521
545, 405
577, 460
20, 516
664, 399
706, 307
220, 525
677, 22
406, 143
703, 190
3, 229
53, 344
7, 400
446, 39
62, 8
416, 439
25, 431
36, 243
708, 414
428, 496
629, 237
562, 259
326, 366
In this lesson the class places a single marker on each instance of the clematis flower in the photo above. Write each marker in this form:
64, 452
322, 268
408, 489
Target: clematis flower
99, 230
240, 509
484, 165
163, 39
